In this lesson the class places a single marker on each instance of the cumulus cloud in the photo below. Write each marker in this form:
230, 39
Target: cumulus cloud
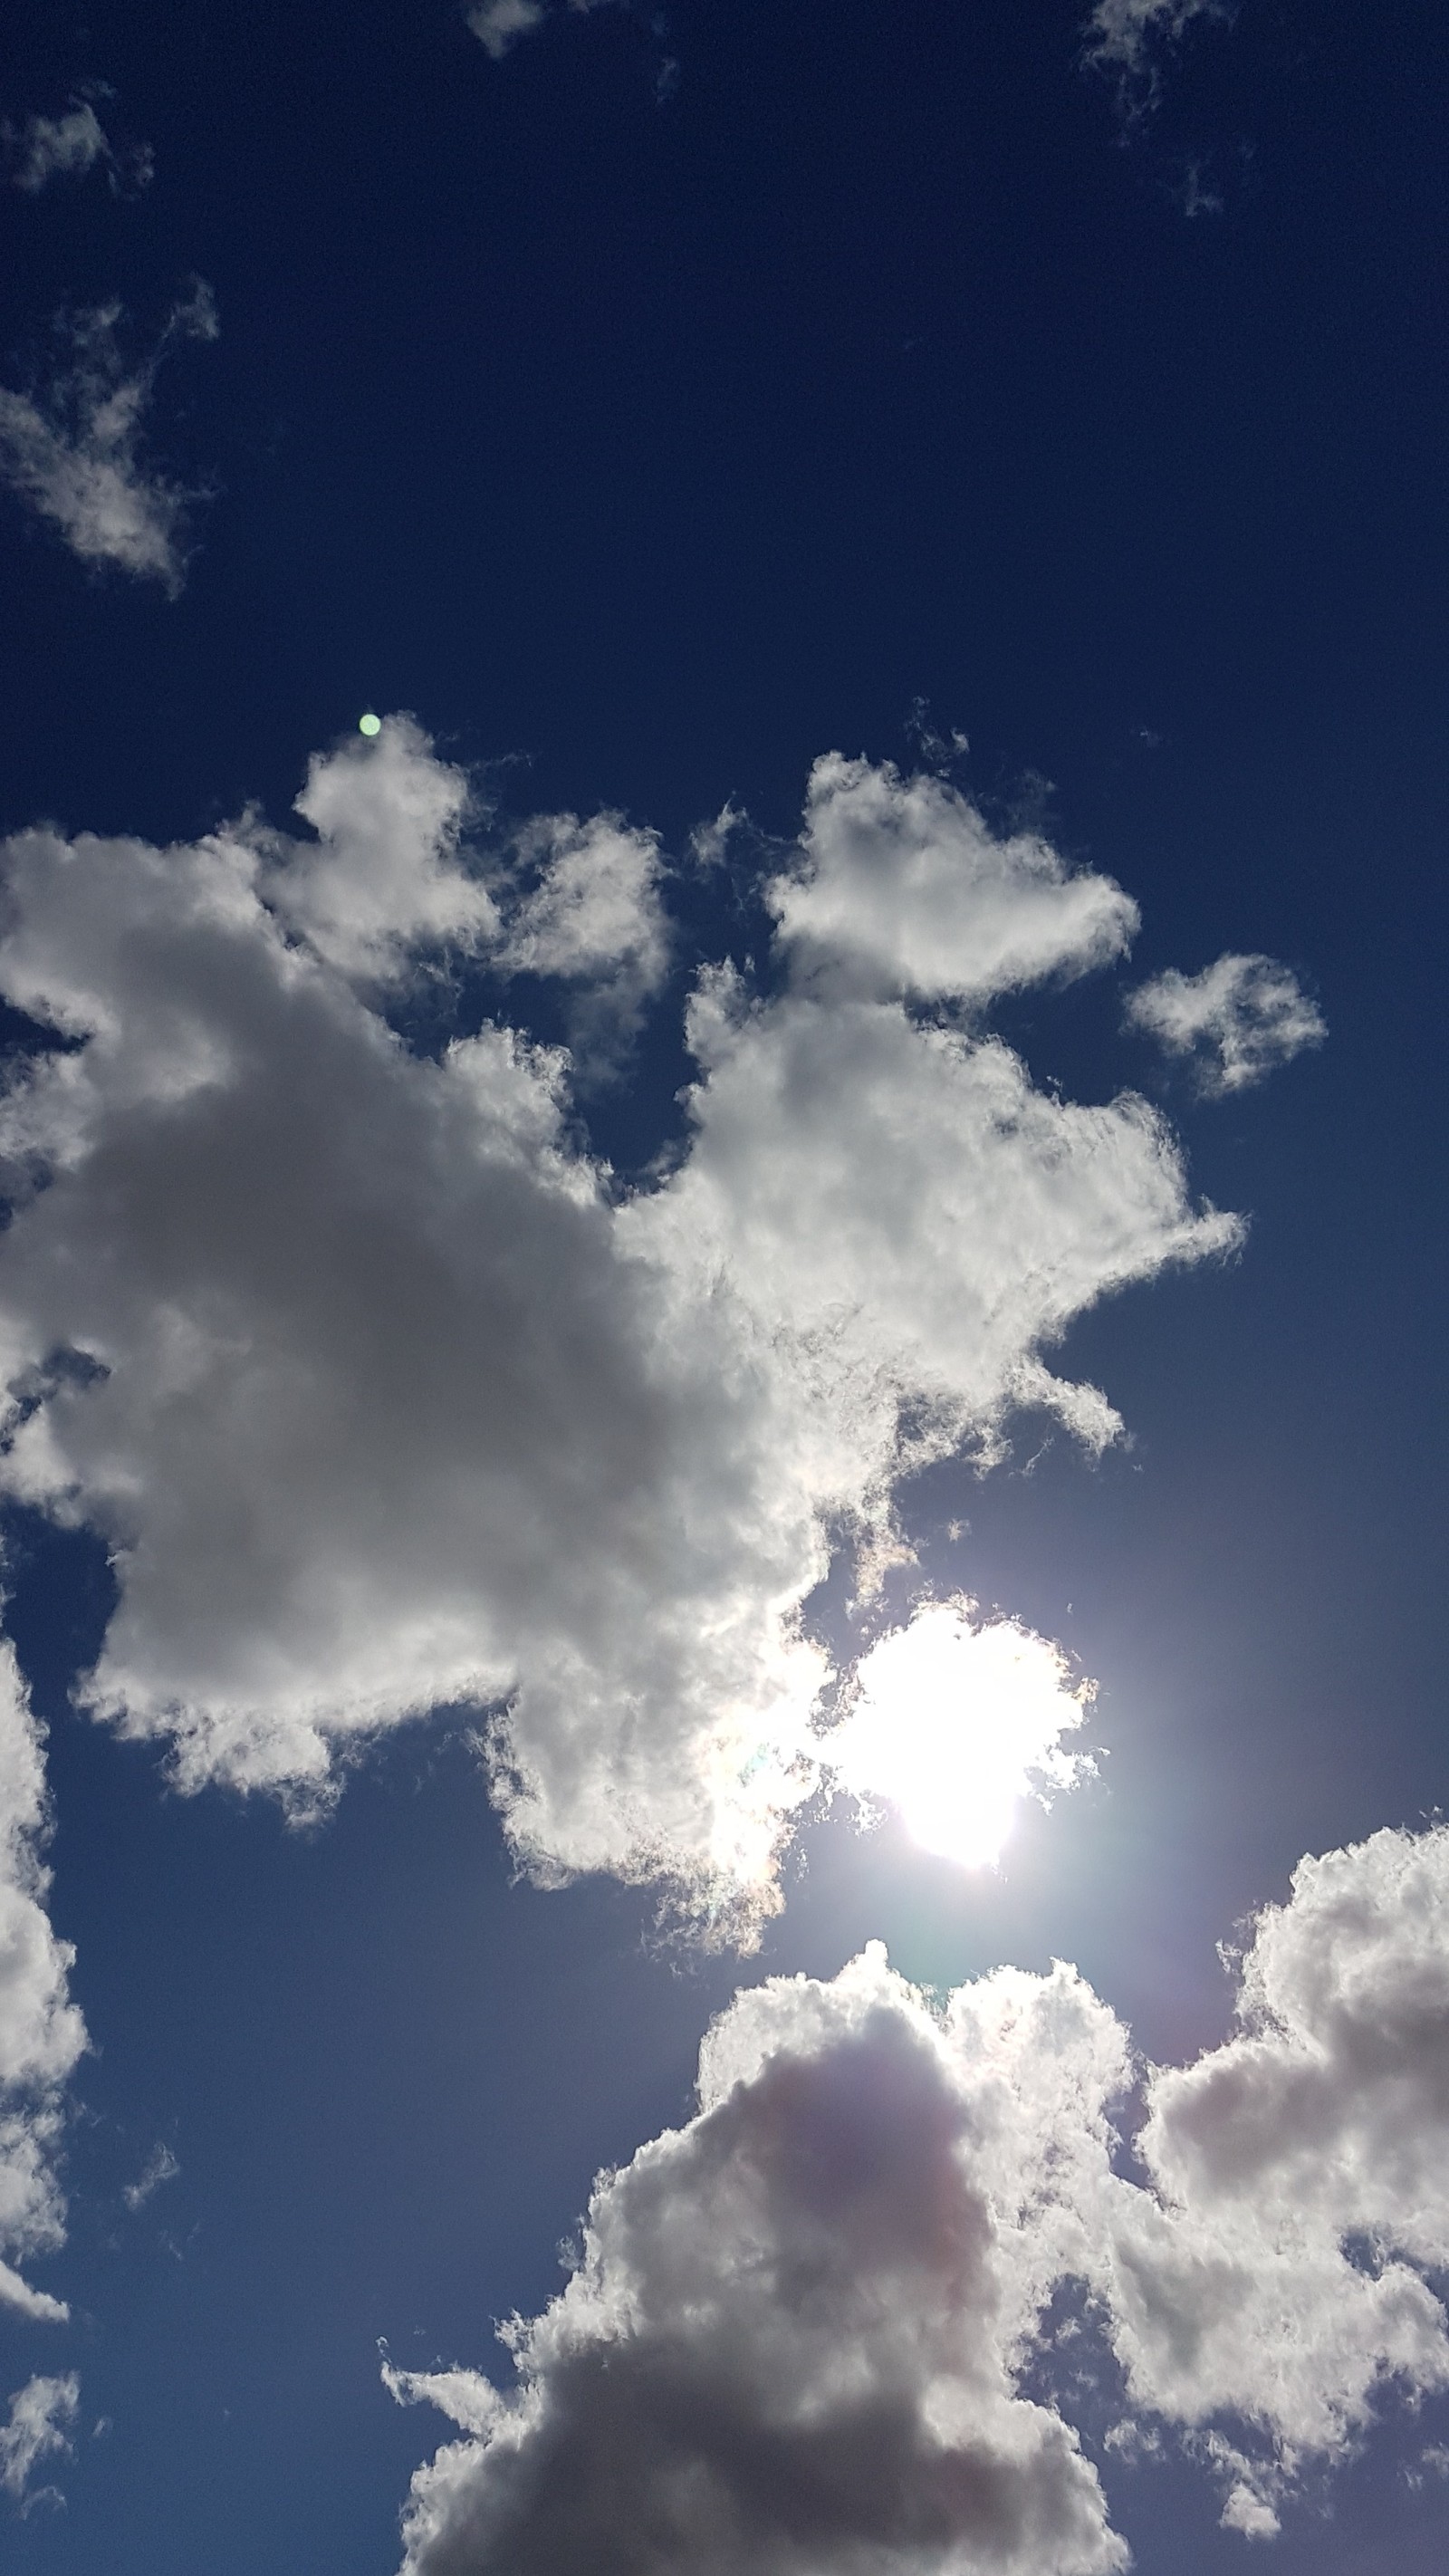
1127, 38
902, 887
1238, 1019
73, 449
41, 2032
383, 1392
41, 2417
67, 147
384, 876
1302, 2169
812, 2329
789, 2342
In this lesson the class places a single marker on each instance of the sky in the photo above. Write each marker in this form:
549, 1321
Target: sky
721, 1729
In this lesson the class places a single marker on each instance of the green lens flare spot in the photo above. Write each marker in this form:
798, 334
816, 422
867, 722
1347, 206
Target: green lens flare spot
369, 725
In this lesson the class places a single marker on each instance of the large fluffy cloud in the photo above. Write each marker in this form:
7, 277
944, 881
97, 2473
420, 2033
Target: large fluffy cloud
808, 2331
72, 448
381, 1391
41, 2033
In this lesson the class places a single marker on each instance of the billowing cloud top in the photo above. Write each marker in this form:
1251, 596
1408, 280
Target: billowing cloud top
384, 1395
801, 2329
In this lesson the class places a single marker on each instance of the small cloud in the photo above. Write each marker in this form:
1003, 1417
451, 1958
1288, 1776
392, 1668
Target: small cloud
709, 842
73, 449
160, 2167
1239, 1018
1126, 39
68, 147
41, 2414
498, 24
1197, 194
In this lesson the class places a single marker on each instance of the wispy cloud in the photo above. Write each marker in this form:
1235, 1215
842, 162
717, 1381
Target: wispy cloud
73, 447
160, 2167
499, 24
1129, 40
67, 147
1237, 1020
42, 2415
815, 2324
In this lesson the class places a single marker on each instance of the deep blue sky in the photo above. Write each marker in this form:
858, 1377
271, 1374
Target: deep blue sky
654, 448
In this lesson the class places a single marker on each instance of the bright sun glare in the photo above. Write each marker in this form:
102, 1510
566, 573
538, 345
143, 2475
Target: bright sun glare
954, 1725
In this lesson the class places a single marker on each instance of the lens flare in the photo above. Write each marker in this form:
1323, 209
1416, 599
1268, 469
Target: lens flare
955, 1724
369, 724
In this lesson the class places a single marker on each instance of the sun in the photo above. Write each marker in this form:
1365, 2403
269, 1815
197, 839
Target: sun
954, 1724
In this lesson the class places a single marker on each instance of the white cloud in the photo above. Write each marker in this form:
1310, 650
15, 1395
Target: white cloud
41, 2032
1303, 2166
72, 450
904, 888
384, 876
789, 2343
498, 24
41, 2416
67, 147
160, 2167
594, 920
384, 1395
1126, 38
802, 2327
1239, 1018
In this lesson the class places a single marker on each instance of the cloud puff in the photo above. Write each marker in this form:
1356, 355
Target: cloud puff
902, 887
1302, 2171
1239, 1018
384, 876
73, 449
41, 2416
384, 1394
41, 2032
67, 146
789, 2342
1126, 38
498, 24
809, 2330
